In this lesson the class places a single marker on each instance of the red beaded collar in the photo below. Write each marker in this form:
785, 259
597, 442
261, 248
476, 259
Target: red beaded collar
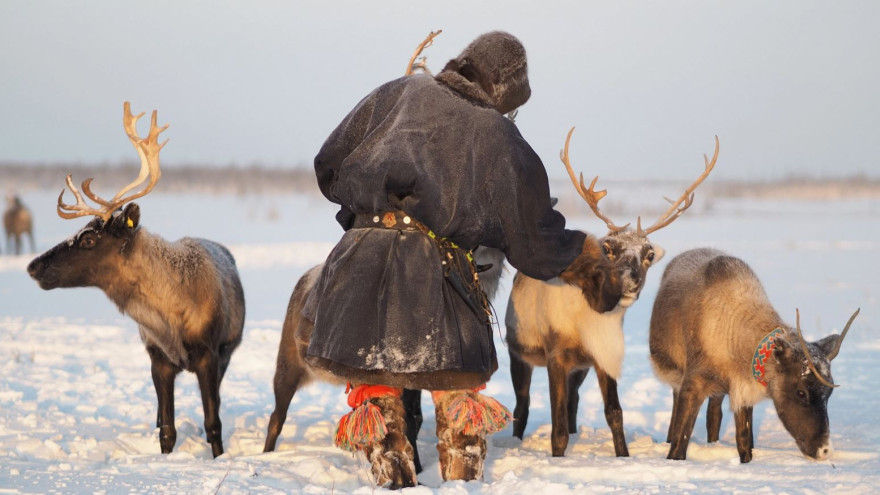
763, 353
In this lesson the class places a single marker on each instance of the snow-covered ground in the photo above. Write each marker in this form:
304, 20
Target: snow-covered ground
77, 405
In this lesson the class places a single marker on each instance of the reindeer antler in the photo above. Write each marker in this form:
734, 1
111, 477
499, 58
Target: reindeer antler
833, 353
80, 209
807, 356
429, 40
590, 195
147, 148
684, 201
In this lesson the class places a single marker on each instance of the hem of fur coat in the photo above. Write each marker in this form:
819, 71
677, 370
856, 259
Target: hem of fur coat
427, 380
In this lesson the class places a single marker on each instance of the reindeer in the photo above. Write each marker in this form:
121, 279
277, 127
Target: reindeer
714, 332
17, 221
186, 296
553, 324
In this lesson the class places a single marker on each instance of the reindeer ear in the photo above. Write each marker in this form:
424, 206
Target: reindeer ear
131, 215
781, 350
828, 343
609, 289
658, 253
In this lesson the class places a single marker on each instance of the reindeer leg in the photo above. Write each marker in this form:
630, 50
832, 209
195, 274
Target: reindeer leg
558, 377
690, 399
207, 371
672, 416
225, 355
613, 412
164, 372
521, 376
713, 418
744, 439
575, 380
291, 370
750, 411
285, 384
412, 405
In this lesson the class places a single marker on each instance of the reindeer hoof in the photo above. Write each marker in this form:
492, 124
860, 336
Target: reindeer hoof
167, 438
217, 449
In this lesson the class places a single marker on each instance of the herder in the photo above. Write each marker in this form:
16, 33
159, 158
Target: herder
425, 169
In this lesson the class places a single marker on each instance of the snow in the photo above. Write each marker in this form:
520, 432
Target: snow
78, 409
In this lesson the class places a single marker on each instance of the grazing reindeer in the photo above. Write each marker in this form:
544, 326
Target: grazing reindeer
552, 324
17, 221
714, 332
186, 296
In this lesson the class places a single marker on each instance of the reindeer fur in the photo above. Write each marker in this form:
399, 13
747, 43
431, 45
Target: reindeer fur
557, 325
710, 313
186, 297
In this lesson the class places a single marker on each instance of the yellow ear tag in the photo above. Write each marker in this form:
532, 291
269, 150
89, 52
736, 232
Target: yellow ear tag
129, 223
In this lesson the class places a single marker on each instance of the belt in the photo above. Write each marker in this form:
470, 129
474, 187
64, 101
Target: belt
397, 219
464, 279
401, 220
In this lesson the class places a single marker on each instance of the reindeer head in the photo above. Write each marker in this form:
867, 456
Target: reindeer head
90, 256
630, 252
799, 382
94, 253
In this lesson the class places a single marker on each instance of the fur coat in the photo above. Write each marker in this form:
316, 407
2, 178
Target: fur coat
435, 148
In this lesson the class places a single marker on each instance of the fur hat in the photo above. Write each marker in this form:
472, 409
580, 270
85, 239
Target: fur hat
495, 66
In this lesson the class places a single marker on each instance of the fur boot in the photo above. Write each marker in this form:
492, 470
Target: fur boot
392, 456
464, 419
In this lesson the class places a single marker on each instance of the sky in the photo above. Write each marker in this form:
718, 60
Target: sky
789, 87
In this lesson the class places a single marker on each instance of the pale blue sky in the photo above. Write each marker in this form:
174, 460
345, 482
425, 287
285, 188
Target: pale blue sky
789, 87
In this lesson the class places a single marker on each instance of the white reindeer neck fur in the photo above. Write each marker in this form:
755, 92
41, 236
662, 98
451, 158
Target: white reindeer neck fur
542, 306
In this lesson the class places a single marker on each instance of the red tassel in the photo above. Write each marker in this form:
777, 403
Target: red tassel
361, 427
365, 424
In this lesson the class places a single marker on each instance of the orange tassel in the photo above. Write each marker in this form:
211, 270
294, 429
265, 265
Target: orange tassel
498, 415
361, 427
365, 424
474, 414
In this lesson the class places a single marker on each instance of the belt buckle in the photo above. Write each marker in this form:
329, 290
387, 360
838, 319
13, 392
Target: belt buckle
389, 220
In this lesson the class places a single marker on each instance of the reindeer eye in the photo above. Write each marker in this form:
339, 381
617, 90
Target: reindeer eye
802, 396
606, 249
650, 256
87, 242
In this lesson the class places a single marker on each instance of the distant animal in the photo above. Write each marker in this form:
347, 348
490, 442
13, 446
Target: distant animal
714, 332
556, 325
186, 296
17, 221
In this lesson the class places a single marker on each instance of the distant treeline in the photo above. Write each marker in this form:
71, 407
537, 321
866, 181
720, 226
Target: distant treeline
176, 179
301, 179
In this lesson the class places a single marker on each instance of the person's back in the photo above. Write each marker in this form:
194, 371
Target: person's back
424, 170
